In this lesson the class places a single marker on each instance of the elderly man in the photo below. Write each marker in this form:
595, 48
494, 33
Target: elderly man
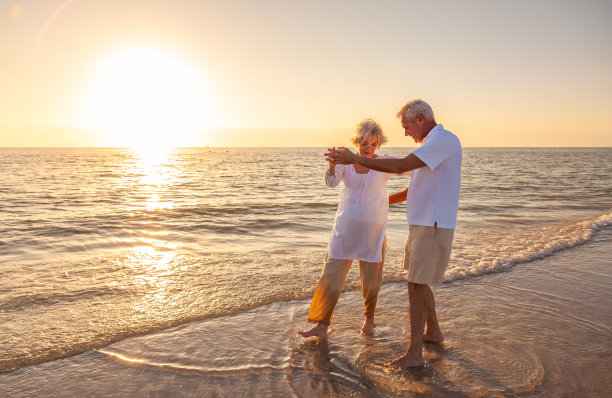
432, 201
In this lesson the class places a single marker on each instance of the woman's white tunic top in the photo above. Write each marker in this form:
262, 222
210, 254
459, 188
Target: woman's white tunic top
359, 228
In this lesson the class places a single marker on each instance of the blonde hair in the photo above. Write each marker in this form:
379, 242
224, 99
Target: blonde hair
414, 108
366, 130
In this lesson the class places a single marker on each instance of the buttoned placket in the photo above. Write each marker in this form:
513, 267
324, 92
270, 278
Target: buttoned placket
364, 178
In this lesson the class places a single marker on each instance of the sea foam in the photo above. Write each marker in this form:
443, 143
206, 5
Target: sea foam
523, 245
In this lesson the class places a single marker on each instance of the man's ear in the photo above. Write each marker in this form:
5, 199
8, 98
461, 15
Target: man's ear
419, 119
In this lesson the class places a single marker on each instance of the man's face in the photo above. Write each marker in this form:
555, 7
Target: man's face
413, 129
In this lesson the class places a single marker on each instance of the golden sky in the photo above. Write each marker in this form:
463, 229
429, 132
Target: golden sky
302, 73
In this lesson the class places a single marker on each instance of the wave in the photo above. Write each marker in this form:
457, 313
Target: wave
141, 293
26, 300
540, 243
191, 370
174, 217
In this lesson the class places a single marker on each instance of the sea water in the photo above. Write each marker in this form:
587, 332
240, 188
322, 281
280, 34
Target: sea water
99, 245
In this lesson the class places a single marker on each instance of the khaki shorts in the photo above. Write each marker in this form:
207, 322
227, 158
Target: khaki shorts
426, 253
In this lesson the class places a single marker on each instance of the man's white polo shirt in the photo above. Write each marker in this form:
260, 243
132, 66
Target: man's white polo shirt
433, 195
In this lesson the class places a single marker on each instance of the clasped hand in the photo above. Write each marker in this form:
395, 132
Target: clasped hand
340, 155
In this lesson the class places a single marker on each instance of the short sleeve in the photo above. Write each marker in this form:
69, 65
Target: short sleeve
438, 149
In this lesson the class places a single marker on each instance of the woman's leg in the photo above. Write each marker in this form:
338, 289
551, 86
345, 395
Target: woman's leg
371, 279
326, 295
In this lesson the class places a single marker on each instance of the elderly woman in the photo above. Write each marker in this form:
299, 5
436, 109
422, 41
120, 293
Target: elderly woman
358, 233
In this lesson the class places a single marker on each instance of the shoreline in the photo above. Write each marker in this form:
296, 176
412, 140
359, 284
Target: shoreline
541, 329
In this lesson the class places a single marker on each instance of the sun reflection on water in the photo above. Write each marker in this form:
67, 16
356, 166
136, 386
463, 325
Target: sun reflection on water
155, 203
153, 155
156, 175
153, 259
154, 247
153, 276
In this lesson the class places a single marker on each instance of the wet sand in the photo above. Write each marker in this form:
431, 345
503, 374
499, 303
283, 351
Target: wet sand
543, 329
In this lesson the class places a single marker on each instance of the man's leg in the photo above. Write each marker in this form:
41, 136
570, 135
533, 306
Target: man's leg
434, 333
421, 303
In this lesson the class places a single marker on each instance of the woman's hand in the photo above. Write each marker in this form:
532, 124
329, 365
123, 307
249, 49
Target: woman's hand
398, 197
331, 166
341, 155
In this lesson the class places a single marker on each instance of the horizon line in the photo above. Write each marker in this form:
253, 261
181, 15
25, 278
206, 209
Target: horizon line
292, 146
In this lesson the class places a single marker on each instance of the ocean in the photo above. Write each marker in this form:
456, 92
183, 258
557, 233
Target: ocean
189, 272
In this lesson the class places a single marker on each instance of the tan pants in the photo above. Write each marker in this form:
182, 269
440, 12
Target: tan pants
330, 286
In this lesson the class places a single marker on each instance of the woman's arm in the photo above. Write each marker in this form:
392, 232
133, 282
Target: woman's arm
398, 197
332, 168
333, 175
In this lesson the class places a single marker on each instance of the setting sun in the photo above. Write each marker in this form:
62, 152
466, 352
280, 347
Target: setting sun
148, 98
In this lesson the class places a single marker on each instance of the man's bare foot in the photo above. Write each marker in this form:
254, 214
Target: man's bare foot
436, 338
318, 331
368, 327
405, 361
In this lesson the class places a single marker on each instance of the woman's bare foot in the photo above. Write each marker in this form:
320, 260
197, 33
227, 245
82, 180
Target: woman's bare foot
368, 327
406, 361
436, 338
319, 331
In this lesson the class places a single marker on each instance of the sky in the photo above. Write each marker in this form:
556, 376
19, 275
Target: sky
302, 73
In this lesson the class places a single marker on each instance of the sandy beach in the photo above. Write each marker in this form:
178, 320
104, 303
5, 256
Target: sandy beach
541, 330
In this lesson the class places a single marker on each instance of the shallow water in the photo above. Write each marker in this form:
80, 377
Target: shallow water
542, 330
97, 245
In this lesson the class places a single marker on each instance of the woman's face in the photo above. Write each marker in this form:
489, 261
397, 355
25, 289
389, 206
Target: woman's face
368, 147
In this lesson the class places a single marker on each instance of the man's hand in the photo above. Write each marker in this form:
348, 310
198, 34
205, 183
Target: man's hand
340, 155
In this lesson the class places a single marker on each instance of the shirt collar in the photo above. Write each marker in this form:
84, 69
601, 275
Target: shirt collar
434, 131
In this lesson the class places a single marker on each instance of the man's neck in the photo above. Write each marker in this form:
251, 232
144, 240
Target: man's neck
430, 126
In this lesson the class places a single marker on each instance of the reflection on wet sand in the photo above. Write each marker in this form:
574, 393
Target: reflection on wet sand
317, 370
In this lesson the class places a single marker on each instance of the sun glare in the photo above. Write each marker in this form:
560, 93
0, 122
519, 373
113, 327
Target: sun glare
149, 99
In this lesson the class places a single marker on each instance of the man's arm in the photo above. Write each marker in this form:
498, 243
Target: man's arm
396, 166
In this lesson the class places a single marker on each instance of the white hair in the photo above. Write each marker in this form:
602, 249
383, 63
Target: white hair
414, 108
366, 130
